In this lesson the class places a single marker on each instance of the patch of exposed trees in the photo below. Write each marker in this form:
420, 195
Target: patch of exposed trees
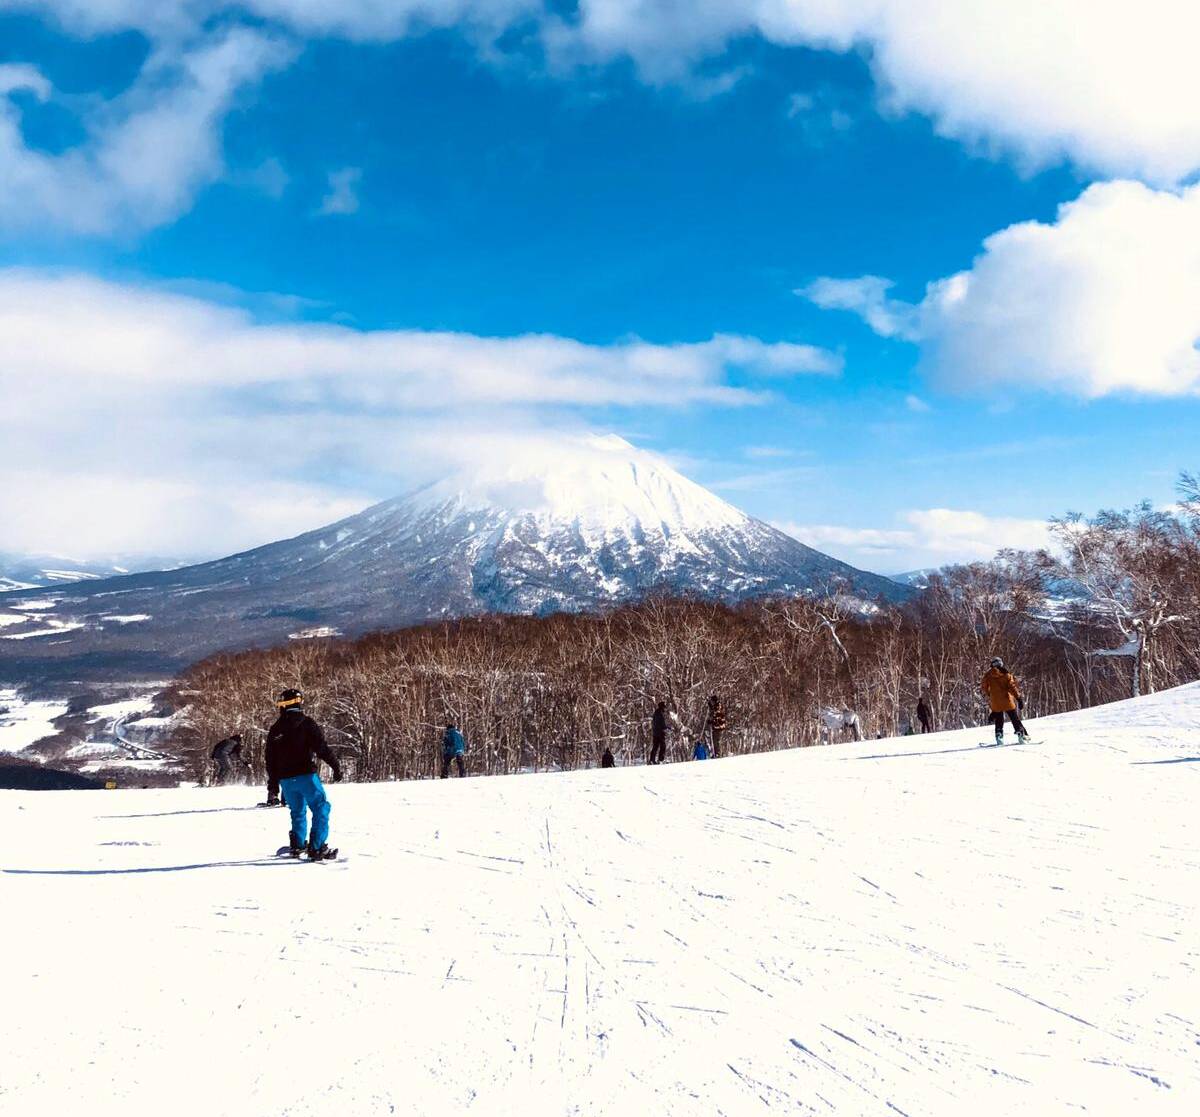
1112, 609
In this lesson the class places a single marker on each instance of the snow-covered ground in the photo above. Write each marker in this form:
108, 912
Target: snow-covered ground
22, 722
916, 926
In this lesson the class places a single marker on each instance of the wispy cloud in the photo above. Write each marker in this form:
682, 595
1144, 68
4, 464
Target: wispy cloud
929, 537
342, 194
147, 152
117, 381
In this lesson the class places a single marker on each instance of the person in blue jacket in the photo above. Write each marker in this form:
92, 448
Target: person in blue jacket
453, 748
700, 752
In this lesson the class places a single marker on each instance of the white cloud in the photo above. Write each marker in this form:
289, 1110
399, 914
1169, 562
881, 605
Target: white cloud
867, 297
147, 152
820, 113
1086, 80
1094, 82
107, 385
16, 76
1106, 299
928, 537
342, 195
916, 404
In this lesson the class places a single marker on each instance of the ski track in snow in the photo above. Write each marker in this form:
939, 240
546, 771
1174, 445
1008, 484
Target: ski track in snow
914, 926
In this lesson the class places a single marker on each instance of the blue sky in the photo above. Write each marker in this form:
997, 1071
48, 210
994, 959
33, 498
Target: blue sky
230, 235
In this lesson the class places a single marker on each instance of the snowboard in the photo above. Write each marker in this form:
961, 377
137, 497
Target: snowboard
1005, 744
280, 804
286, 851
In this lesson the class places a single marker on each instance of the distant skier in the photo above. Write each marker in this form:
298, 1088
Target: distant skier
608, 760
227, 753
294, 745
700, 751
924, 714
718, 722
1004, 697
658, 734
454, 745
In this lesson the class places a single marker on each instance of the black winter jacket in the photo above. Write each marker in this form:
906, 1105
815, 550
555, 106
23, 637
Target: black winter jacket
293, 743
658, 727
228, 746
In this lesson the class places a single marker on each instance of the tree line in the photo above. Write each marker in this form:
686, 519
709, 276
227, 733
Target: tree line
1112, 609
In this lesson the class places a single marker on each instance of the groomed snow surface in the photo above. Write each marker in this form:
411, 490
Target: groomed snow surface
915, 926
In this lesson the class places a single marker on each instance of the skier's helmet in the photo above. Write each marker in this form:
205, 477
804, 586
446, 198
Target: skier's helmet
288, 698
998, 662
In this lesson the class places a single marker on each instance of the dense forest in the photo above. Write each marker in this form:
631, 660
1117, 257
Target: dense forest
1111, 610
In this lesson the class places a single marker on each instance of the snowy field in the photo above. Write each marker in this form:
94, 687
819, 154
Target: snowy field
916, 926
23, 721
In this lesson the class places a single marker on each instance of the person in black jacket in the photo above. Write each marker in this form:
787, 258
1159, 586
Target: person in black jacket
294, 744
227, 753
924, 714
608, 760
658, 734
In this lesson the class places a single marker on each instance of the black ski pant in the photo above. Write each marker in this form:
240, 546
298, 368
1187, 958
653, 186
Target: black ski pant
716, 738
462, 768
1013, 716
925, 726
658, 752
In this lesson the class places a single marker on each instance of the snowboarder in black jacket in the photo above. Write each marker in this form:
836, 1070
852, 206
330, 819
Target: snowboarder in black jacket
608, 760
294, 744
227, 753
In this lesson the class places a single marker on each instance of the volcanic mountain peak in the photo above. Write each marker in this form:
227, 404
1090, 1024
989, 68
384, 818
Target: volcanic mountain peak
598, 484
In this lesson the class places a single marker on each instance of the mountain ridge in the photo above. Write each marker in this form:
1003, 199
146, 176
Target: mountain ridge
569, 526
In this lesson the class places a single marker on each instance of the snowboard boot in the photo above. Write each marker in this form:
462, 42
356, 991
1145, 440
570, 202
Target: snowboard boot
294, 843
322, 854
999, 739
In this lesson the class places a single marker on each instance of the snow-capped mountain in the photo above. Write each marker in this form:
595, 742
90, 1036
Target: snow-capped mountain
567, 526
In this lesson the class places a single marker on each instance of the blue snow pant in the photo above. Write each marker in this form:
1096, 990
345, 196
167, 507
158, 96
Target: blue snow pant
301, 793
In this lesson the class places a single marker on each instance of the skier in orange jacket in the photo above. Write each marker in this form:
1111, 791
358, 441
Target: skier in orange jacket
1004, 697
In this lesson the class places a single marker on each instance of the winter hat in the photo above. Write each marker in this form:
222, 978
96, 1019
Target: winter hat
998, 662
290, 698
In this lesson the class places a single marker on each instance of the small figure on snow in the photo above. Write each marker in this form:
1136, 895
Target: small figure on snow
294, 745
227, 754
608, 760
700, 751
658, 734
718, 722
925, 713
454, 745
1004, 697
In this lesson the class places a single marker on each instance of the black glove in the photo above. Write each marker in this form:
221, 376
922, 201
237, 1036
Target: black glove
1020, 703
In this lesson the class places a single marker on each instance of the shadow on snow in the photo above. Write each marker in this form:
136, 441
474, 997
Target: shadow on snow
171, 814
259, 862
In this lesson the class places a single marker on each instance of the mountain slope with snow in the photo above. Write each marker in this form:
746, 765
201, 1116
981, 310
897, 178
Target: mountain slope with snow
566, 527
915, 926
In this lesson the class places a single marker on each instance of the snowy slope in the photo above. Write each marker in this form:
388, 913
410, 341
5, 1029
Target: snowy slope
914, 926
574, 525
